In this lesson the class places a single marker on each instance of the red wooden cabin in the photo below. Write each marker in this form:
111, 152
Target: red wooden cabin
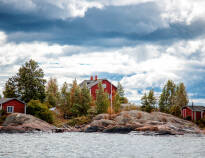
92, 85
194, 112
11, 105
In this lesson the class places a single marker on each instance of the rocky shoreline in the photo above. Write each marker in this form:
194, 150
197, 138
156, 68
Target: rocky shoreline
155, 123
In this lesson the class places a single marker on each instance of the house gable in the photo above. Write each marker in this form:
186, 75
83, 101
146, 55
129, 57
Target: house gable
18, 106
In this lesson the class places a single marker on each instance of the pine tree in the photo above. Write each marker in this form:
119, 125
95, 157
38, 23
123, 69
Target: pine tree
10, 90
30, 82
75, 98
168, 97
65, 99
144, 101
116, 102
85, 100
102, 101
182, 98
121, 93
151, 98
148, 101
52, 93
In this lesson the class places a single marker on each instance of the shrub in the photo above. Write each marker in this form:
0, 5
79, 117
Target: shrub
79, 121
40, 110
3, 116
201, 123
2, 112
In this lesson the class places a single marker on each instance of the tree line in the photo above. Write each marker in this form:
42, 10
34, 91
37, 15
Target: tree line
30, 86
173, 97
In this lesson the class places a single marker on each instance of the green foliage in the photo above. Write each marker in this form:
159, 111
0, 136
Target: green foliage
76, 102
28, 83
0, 96
148, 101
173, 98
52, 93
121, 93
85, 100
40, 110
201, 123
102, 101
116, 102
10, 89
167, 98
175, 110
181, 95
3, 116
65, 98
79, 121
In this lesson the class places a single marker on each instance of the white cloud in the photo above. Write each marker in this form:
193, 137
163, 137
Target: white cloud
142, 66
183, 10
3, 38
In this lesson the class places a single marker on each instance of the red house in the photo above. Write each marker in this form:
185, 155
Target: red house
92, 85
11, 105
194, 112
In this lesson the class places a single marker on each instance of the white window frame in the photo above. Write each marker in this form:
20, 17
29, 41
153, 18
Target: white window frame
10, 107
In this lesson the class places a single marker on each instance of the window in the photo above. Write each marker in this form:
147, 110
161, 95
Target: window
104, 85
10, 109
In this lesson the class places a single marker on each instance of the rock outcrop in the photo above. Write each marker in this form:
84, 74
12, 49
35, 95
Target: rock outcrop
141, 122
22, 123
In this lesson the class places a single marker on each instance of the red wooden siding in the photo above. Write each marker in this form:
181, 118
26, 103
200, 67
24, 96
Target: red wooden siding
107, 89
18, 106
195, 115
186, 112
198, 115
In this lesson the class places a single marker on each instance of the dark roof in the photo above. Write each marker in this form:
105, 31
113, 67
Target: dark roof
4, 100
196, 108
90, 83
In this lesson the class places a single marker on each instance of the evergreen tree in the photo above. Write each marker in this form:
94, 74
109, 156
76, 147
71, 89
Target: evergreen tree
86, 100
168, 97
30, 82
148, 101
151, 98
52, 93
121, 93
75, 98
10, 89
120, 90
102, 101
144, 101
182, 98
65, 99
116, 102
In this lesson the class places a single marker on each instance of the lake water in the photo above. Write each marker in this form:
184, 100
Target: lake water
99, 145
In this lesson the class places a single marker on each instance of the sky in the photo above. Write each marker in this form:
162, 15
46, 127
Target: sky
139, 43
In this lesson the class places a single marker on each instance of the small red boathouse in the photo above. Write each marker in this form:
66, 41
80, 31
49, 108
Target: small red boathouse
11, 105
194, 112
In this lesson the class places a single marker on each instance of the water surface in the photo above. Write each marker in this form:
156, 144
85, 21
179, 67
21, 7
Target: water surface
99, 145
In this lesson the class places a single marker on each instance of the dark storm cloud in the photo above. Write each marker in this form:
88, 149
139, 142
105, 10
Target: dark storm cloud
111, 26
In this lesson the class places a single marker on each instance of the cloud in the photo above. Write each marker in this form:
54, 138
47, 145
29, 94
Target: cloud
56, 9
138, 68
109, 26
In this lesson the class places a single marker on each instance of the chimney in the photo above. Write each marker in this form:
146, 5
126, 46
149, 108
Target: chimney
91, 78
96, 77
